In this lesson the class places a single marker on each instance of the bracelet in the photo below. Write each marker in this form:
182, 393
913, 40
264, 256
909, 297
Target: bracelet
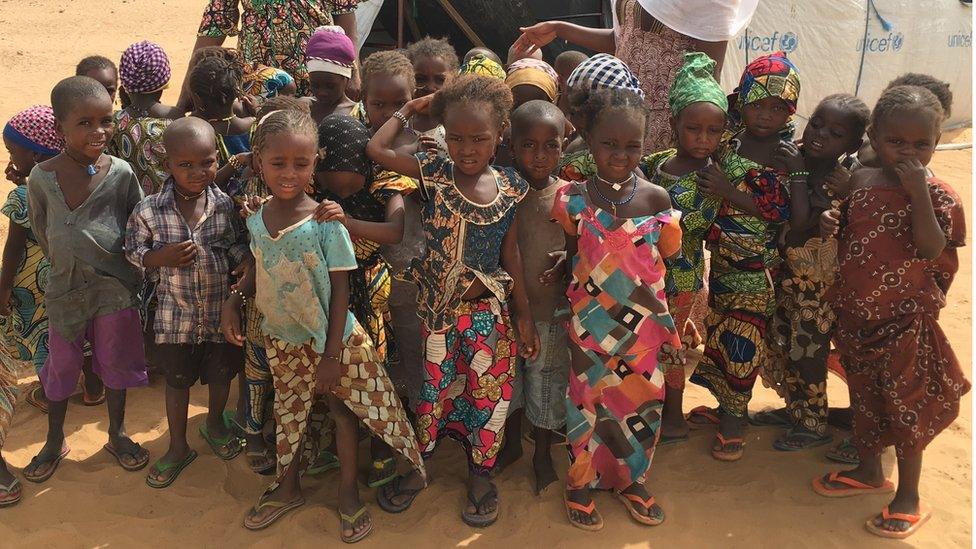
240, 294
236, 163
400, 116
799, 174
333, 357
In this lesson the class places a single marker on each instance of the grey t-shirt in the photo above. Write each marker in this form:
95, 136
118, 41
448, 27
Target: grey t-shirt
90, 275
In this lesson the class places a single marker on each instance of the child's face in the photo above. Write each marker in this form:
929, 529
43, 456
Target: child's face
193, 163
699, 127
537, 148
108, 78
913, 136
431, 74
328, 88
287, 162
472, 136
617, 141
88, 126
21, 159
523, 93
766, 117
830, 133
387, 93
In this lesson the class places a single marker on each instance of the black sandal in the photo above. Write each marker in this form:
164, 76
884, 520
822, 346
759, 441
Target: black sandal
477, 520
796, 440
385, 495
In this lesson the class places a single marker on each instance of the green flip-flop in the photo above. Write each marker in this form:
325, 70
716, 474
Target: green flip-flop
351, 520
177, 468
226, 448
383, 472
230, 422
324, 462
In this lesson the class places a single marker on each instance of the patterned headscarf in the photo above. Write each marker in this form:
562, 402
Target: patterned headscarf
479, 64
35, 130
330, 50
144, 68
771, 75
694, 83
604, 71
266, 81
344, 139
533, 72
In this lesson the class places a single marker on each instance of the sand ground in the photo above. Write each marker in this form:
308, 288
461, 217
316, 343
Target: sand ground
764, 500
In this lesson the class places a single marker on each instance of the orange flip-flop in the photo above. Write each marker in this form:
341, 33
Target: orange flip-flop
915, 521
588, 510
722, 454
701, 416
629, 500
855, 487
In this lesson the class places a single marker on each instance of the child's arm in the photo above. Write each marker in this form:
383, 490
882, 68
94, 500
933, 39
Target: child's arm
37, 213
712, 180
139, 245
927, 234
13, 253
389, 231
380, 148
329, 368
528, 338
788, 156
230, 169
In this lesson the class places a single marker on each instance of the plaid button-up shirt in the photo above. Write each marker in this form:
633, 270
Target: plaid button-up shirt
189, 298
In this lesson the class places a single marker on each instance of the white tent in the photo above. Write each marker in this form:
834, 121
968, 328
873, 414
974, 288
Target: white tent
859, 46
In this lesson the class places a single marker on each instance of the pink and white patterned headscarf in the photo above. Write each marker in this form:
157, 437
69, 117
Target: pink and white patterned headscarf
144, 68
35, 129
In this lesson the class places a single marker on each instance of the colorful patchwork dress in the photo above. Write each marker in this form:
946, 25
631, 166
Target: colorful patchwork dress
139, 141
469, 345
620, 321
740, 283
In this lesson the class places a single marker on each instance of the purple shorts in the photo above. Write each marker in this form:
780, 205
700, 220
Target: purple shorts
118, 357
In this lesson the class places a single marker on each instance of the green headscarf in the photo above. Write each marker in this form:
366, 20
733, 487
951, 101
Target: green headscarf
695, 82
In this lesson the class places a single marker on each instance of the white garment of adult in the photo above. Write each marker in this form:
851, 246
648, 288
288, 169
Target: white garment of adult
706, 20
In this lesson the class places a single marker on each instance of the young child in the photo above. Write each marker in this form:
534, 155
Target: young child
800, 330
102, 70
145, 73
315, 346
481, 65
330, 58
897, 238
391, 81
619, 228
481, 51
214, 86
742, 242
78, 205
529, 79
191, 235
30, 136
566, 62
435, 63
540, 385
698, 110
470, 272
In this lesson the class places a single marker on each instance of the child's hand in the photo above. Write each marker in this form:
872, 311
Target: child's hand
838, 181
241, 271
12, 174
788, 157
419, 105
912, 175
426, 143
528, 338
230, 321
712, 180
182, 254
829, 223
555, 273
251, 205
327, 375
328, 210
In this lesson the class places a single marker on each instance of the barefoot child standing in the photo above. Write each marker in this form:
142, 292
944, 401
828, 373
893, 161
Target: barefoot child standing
79, 203
191, 235
898, 234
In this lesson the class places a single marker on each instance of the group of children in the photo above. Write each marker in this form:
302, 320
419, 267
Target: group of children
556, 270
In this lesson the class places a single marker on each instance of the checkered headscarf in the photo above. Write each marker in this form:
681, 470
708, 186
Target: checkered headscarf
34, 129
604, 71
144, 68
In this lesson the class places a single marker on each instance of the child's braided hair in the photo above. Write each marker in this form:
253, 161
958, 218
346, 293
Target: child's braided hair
388, 62
475, 88
931, 83
94, 63
900, 100
216, 82
852, 106
600, 102
283, 121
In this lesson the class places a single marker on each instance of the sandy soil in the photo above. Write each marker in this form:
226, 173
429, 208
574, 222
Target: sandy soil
763, 500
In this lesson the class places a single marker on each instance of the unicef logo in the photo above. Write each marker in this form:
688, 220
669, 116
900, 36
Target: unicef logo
788, 42
891, 42
896, 41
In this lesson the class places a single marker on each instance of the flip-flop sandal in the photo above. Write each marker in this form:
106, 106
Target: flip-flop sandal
808, 440
265, 467
51, 468
161, 468
721, 454
351, 520
325, 462
139, 465
476, 520
630, 500
855, 487
845, 452
230, 422
36, 401
915, 521
702, 416
280, 508
226, 448
382, 472
385, 500
11, 493
588, 510
86, 398
771, 418
666, 440
558, 438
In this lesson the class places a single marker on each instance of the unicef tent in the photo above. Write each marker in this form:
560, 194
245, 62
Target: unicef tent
859, 46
